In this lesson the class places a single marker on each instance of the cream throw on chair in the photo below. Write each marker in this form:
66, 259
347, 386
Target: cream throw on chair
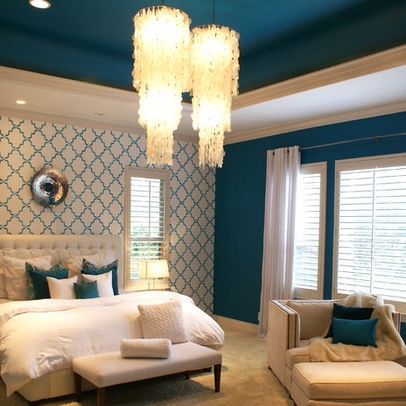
390, 345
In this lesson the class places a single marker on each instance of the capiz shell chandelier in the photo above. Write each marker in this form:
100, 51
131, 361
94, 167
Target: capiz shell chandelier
160, 75
214, 64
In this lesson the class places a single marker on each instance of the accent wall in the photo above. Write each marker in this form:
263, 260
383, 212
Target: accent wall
93, 160
240, 197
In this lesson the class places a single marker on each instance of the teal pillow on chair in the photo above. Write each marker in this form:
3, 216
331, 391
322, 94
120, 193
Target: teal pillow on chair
86, 290
349, 313
38, 279
355, 332
89, 269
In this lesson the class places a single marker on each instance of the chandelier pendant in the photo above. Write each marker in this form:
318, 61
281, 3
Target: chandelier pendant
214, 66
160, 75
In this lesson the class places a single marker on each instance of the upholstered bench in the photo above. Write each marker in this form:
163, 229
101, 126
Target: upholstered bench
108, 369
364, 383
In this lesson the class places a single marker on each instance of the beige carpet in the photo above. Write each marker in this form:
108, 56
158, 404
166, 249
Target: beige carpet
245, 380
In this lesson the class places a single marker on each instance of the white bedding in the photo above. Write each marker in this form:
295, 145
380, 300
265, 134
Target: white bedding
42, 336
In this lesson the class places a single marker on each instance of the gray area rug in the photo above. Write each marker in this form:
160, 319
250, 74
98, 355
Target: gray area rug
245, 380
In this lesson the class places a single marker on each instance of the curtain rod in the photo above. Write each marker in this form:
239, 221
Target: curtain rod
373, 137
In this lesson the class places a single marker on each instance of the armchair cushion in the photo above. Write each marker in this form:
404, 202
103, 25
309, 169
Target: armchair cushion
314, 316
296, 355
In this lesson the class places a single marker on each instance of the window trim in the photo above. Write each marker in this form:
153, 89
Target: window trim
317, 168
151, 173
378, 161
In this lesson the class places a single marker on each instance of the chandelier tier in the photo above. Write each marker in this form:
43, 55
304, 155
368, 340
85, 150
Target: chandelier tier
214, 67
160, 75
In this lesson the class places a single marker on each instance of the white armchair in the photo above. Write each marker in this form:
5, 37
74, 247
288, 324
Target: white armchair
291, 326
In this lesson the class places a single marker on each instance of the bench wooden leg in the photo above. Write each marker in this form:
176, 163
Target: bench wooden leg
101, 396
78, 387
217, 377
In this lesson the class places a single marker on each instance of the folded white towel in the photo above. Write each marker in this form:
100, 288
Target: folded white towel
145, 348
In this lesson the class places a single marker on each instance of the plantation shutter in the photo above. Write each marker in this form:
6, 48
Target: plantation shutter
371, 251
147, 222
309, 231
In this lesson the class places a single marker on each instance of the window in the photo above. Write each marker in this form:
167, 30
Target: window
146, 221
309, 231
370, 224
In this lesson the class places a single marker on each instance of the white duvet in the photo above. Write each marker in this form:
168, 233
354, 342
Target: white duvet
42, 336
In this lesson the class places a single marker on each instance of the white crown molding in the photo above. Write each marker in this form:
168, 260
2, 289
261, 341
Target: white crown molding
64, 120
316, 122
115, 98
390, 58
84, 123
72, 102
65, 86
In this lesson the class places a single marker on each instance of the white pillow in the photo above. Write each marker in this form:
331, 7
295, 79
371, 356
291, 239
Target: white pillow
61, 288
15, 275
163, 320
74, 263
104, 283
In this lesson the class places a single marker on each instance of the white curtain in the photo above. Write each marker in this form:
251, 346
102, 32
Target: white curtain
282, 171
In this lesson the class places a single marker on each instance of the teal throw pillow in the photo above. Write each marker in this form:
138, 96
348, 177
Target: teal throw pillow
349, 313
89, 269
86, 290
38, 278
355, 332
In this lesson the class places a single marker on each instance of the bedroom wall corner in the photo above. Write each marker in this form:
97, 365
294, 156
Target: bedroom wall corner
93, 160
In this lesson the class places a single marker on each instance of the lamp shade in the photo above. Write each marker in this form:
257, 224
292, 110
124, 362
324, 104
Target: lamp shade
156, 269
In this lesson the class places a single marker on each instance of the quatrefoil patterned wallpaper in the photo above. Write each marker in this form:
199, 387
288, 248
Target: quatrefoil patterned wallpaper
93, 160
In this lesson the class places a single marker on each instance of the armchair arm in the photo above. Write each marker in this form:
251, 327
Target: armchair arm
283, 333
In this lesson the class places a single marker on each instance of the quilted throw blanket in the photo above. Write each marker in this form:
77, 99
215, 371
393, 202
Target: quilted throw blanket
390, 345
42, 336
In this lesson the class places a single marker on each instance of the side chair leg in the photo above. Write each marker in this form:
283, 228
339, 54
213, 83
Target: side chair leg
101, 396
217, 377
78, 387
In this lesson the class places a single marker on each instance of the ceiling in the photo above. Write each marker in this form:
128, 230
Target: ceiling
302, 63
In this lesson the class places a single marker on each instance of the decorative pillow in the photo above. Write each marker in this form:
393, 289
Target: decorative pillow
86, 290
14, 271
315, 316
349, 313
38, 278
104, 285
74, 263
89, 268
61, 288
355, 332
164, 320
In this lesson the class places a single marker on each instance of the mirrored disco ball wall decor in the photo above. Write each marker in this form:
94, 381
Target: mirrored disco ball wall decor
49, 187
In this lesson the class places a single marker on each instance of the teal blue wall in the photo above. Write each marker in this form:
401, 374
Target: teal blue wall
240, 194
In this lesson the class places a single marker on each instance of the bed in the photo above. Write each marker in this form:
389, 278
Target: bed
39, 338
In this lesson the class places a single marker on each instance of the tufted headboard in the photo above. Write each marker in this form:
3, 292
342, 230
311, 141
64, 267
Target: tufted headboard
61, 247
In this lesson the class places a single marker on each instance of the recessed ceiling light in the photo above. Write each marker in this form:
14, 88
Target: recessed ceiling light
21, 101
40, 3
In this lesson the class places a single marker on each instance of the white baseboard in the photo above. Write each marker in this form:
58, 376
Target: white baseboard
233, 324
